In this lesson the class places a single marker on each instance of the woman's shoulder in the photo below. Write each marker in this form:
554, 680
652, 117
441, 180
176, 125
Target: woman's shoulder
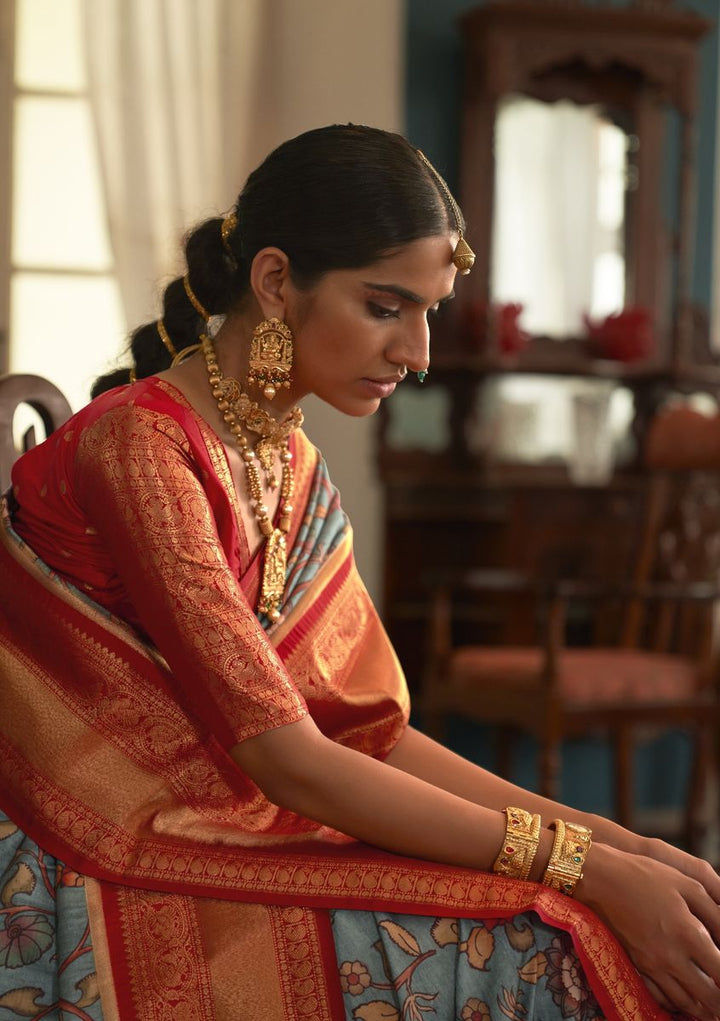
135, 409
151, 394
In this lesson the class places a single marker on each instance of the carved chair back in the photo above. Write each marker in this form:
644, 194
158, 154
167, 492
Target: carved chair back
44, 398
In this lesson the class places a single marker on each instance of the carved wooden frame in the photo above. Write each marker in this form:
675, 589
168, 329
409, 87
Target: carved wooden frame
563, 49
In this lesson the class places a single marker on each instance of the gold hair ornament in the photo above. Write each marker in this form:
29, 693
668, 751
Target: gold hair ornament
165, 338
271, 355
463, 256
194, 300
185, 353
225, 390
228, 228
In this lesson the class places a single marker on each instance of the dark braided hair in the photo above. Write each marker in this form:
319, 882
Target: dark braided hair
337, 197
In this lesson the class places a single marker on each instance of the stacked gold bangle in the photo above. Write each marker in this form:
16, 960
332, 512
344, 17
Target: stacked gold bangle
569, 851
522, 835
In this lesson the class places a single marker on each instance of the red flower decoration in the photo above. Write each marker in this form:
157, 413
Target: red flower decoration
625, 336
496, 327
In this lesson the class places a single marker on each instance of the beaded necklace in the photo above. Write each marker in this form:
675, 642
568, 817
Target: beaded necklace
237, 411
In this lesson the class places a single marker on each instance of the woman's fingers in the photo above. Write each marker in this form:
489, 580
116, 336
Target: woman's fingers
704, 907
695, 868
668, 923
688, 970
679, 999
657, 993
703, 989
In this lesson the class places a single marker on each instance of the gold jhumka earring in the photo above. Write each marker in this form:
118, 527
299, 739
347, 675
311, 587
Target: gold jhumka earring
271, 355
463, 256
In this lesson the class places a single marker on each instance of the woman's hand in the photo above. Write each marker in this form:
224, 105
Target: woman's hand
667, 920
694, 868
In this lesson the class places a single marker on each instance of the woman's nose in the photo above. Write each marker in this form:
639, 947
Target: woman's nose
412, 349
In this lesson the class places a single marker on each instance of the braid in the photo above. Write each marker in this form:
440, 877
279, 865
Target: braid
213, 278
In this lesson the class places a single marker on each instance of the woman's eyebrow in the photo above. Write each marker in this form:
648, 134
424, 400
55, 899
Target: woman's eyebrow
403, 292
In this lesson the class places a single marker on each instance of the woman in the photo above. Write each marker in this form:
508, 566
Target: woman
215, 806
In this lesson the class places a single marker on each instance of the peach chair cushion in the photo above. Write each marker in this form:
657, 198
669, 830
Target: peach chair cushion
680, 438
588, 677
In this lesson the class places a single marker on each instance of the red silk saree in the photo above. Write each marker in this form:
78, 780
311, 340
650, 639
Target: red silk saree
131, 661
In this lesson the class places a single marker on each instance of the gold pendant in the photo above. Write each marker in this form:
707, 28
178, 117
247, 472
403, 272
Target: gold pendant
273, 581
266, 455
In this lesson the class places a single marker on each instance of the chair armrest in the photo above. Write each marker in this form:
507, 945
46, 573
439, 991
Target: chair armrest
483, 579
659, 590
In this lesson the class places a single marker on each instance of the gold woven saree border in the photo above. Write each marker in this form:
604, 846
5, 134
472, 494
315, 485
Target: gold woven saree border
352, 877
299, 957
168, 976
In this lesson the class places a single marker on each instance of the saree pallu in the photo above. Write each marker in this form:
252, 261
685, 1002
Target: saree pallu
200, 911
195, 924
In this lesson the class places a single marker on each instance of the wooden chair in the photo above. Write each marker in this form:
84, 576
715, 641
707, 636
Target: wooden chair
44, 398
652, 659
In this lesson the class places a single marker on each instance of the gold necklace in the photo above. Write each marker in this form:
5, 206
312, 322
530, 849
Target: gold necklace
256, 419
273, 433
273, 579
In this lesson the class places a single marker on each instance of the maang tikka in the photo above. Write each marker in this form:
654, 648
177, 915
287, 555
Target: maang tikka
271, 355
463, 256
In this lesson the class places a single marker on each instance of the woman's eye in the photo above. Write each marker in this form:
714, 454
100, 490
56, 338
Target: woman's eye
382, 311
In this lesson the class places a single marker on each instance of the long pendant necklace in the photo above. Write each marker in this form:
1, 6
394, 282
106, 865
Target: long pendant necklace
235, 407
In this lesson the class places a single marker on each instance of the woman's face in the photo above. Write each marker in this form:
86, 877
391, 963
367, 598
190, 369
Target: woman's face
359, 331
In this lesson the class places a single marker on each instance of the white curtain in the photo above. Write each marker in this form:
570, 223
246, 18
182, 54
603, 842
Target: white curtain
189, 96
547, 235
173, 87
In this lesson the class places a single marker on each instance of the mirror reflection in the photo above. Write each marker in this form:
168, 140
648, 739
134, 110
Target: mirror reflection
558, 246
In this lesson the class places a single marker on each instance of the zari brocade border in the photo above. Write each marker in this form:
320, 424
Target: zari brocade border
176, 919
201, 960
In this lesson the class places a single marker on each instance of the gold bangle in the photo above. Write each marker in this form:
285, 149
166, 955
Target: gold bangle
569, 851
519, 847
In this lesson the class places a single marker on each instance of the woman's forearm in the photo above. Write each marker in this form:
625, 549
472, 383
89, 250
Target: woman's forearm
422, 757
387, 805
297, 767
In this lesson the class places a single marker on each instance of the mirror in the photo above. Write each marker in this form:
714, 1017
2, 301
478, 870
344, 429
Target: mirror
562, 174
590, 89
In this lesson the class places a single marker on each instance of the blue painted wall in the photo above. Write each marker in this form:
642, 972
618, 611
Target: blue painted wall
434, 86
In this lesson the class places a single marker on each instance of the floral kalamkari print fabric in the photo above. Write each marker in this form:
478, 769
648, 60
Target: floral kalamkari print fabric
391, 967
47, 969
409, 967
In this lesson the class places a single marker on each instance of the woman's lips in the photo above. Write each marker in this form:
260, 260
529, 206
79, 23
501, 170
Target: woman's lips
382, 387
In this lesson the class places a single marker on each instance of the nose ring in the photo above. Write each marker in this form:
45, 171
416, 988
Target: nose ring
421, 375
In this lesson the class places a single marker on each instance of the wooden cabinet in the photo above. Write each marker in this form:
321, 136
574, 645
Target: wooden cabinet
456, 507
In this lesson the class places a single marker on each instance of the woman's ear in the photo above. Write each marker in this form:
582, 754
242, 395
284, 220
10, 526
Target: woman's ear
269, 279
